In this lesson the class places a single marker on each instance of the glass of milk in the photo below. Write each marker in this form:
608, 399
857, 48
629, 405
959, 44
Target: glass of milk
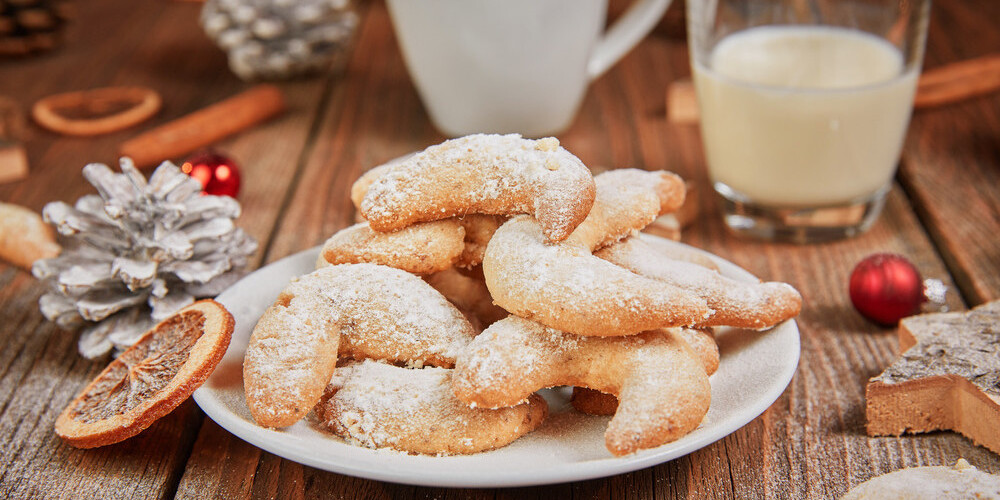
804, 108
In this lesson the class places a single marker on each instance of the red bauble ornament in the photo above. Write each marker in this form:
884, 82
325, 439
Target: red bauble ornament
886, 288
218, 174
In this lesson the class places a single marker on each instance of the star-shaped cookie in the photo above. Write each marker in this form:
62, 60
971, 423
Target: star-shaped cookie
948, 378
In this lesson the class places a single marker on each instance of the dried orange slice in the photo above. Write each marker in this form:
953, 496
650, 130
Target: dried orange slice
150, 379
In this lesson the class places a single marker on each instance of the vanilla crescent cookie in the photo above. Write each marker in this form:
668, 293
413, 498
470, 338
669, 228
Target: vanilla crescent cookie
491, 174
661, 384
469, 294
701, 341
423, 248
961, 481
564, 286
627, 200
360, 187
479, 229
735, 303
358, 310
413, 410
671, 250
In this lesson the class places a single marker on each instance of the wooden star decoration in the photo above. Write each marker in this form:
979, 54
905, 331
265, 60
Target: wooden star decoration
947, 378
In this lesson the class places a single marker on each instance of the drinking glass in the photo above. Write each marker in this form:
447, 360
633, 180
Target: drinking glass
804, 108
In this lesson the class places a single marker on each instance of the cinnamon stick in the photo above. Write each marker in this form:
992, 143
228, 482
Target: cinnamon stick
958, 81
205, 126
943, 85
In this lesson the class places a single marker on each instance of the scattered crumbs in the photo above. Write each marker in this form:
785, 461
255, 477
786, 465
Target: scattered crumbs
547, 144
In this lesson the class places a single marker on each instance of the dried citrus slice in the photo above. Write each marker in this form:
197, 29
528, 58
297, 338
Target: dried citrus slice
150, 379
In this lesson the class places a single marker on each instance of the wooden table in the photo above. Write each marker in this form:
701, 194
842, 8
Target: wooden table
943, 214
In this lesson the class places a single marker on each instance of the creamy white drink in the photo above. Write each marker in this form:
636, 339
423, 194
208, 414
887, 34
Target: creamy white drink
803, 115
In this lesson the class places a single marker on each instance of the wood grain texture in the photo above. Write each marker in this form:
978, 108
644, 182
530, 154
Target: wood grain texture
298, 169
951, 164
810, 444
113, 43
354, 135
40, 372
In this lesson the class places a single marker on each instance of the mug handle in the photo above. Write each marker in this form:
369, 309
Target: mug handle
631, 27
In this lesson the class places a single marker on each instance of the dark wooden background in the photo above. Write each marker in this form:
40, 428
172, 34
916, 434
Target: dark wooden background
943, 214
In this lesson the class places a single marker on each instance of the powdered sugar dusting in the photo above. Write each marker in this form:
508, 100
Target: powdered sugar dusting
492, 174
965, 344
662, 384
379, 312
378, 405
565, 287
960, 481
736, 303
755, 368
627, 200
393, 315
421, 248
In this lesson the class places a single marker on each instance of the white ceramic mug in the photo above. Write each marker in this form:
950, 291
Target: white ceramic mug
503, 66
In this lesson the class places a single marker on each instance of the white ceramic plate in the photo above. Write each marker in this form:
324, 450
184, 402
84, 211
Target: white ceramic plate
755, 368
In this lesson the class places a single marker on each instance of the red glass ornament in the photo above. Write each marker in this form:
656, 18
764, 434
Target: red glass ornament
886, 288
219, 175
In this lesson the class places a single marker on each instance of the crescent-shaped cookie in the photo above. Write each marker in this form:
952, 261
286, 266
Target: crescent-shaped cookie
671, 250
491, 174
414, 410
469, 294
627, 200
661, 384
564, 286
423, 248
701, 341
358, 310
360, 187
735, 303
479, 229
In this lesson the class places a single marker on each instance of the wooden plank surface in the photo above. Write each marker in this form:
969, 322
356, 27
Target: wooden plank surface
297, 172
951, 166
810, 444
115, 43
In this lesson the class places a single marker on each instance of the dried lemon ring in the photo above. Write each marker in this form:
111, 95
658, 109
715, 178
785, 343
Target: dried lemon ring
140, 104
150, 379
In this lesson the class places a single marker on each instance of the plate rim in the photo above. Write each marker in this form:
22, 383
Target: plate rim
576, 471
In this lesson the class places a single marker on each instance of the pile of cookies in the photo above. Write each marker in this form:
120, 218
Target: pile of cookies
487, 268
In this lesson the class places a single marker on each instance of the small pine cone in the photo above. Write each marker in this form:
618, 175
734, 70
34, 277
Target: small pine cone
277, 39
31, 26
137, 252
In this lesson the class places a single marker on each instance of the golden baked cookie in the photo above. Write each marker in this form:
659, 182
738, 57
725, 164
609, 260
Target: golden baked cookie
358, 310
24, 237
422, 248
413, 410
961, 481
564, 286
479, 229
661, 384
733, 303
469, 294
490, 174
701, 341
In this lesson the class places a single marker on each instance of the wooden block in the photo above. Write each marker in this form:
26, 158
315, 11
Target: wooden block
682, 103
13, 162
